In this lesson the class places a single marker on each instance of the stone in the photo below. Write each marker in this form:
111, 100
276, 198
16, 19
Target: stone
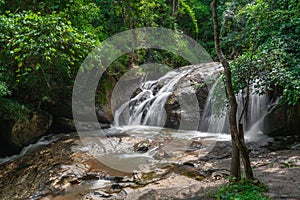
103, 117
296, 147
61, 107
17, 134
191, 89
62, 125
282, 120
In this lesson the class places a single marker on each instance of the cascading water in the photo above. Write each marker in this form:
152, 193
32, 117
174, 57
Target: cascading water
43, 141
215, 115
144, 115
257, 109
147, 108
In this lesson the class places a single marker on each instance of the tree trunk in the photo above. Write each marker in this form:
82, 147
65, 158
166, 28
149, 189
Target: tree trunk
237, 136
245, 154
235, 167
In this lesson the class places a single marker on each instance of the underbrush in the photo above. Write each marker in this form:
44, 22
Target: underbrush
243, 190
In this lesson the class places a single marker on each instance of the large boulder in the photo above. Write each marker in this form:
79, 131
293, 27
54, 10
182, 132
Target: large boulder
282, 120
193, 87
17, 134
126, 88
62, 107
189, 89
62, 113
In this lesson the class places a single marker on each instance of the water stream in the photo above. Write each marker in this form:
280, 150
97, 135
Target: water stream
138, 140
143, 118
147, 108
43, 141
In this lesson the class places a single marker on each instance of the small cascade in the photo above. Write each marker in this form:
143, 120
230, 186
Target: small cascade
43, 141
147, 107
214, 115
257, 108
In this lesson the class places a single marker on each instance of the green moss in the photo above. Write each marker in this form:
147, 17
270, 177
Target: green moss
243, 190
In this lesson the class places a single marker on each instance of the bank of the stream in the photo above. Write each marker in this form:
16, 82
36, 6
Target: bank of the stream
64, 169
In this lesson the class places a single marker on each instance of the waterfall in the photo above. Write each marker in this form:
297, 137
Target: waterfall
147, 107
258, 106
214, 115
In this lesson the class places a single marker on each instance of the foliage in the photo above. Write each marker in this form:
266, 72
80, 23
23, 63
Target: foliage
191, 14
243, 190
86, 16
3, 87
41, 54
46, 41
13, 110
264, 37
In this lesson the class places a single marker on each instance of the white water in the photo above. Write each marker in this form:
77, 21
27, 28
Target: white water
144, 116
120, 154
147, 108
214, 116
254, 114
43, 141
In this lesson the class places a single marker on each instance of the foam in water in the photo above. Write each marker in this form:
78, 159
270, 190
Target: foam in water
144, 115
147, 108
214, 115
43, 141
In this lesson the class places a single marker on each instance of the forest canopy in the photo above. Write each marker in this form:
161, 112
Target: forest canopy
43, 43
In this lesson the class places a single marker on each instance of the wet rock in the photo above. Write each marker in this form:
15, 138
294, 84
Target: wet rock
189, 164
195, 145
116, 188
62, 125
125, 88
206, 173
146, 145
172, 187
142, 147
136, 92
66, 170
59, 167
38, 172
221, 150
16, 134
220, 174
97, 195
189, 171
281, 143
103, 116
191, 92
296, 146
282, 120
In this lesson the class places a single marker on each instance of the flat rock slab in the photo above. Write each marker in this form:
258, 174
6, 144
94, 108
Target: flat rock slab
173, 187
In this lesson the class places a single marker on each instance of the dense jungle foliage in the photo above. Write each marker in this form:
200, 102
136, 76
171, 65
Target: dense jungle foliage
43, 43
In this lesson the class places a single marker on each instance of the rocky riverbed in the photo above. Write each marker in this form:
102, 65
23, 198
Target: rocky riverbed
65, 169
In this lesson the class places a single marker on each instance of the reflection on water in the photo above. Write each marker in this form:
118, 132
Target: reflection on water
145, 146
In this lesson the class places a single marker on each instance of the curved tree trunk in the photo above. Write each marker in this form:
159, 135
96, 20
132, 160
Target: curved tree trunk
237, 133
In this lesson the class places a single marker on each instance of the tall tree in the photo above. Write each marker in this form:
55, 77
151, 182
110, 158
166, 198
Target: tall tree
237, 134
